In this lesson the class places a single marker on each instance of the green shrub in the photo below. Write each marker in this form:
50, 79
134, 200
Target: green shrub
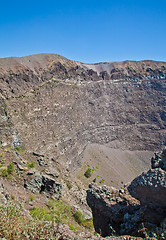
10, 168
31, 197
88, 173
72, 227
79, 217
93, 170
20, 148
59, 211
4, 172
39, 213
88, 223
31, 164
102, 181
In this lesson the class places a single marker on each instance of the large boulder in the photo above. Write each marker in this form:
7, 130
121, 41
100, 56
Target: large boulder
150, 188
113, 211
37, 182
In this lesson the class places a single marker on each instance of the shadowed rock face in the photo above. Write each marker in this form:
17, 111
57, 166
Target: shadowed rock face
59, 106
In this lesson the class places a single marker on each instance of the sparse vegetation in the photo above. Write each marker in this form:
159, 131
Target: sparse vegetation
88, 223
7, 171
31, 164
60, 212
102, 181
40, 213
79, 217
20, 148
69, 184
4, 173
88, 173
72, 227
10, 168
31, 197
57, 212
14, 224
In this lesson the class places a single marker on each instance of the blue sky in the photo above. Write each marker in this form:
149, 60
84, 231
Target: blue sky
84, 30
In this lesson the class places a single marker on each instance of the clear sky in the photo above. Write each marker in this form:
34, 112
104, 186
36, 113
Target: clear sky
84, 30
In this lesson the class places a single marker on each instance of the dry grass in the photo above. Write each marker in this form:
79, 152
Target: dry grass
14, 224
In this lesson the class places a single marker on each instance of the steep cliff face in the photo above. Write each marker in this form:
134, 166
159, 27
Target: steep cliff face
60, 107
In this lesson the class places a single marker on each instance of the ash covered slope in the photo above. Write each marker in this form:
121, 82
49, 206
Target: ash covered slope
60, 107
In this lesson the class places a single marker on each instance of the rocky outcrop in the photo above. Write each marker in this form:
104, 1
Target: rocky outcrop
159, 160
127, 211
114, 212
150, 187
38, 183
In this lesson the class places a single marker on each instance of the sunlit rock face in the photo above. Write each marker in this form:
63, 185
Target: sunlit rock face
59, 107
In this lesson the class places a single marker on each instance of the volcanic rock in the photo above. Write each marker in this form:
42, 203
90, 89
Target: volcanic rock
39, 183
150, 188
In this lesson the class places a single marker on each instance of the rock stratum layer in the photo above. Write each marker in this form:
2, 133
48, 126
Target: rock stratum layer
58, 107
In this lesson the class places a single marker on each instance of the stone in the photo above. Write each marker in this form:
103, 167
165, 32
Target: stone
52, 172
41, 162
4, 195
40, 183
19, 166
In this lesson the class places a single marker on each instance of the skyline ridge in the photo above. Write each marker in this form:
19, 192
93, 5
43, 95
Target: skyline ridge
98, 62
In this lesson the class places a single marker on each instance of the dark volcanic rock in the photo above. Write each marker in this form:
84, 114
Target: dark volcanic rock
43, 183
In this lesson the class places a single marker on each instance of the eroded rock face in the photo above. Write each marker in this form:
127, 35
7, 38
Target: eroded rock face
38, 183
142, 203
113, 212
